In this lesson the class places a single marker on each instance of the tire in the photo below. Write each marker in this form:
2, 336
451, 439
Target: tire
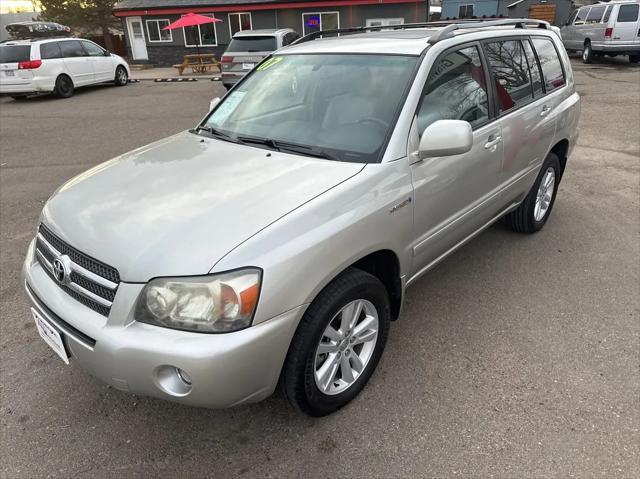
634, 58
305, 362
587, 53
64, 87
527, 218
122, 77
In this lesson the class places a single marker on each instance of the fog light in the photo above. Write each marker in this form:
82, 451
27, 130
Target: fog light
184, 377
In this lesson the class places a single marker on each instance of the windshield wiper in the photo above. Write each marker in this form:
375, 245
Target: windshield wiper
218, 134
288, 147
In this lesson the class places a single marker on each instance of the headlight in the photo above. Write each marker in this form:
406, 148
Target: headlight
209, 304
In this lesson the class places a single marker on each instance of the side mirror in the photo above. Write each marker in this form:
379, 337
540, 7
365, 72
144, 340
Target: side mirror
107, 53
446, 138
214, 102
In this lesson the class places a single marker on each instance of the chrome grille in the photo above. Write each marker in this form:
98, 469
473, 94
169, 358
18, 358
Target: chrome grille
89, 281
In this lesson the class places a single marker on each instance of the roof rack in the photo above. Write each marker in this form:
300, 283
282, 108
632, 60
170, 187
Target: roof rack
447, 32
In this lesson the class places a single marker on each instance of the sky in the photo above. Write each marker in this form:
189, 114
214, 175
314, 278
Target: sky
11, 6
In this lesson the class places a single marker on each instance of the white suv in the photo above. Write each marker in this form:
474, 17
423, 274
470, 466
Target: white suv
57, 65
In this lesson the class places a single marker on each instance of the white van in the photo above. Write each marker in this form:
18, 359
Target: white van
56, 65
604, 29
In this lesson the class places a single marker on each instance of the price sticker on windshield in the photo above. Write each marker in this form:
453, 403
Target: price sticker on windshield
269, 63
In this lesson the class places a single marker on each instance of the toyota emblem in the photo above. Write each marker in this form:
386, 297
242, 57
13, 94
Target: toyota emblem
60, 271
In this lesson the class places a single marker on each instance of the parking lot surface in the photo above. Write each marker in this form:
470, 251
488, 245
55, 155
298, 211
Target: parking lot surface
519, 356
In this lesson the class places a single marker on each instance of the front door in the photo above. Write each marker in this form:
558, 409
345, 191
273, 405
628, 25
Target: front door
136, 38
455, 195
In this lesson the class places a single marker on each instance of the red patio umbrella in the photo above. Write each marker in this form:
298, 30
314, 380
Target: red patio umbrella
191, 20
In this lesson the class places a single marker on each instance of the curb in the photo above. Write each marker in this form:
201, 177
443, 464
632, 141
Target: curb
174, 80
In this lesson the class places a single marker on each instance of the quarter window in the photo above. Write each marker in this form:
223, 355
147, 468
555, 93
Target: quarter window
156, 32
595, 14
628, 13
607, 14
239, 22
510, 72
550, 63
313, 22
456, 90
50, 50
72, 48
534, 69
200, 35
465, 11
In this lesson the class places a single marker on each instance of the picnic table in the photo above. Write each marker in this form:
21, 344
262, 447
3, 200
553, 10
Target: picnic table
198, 62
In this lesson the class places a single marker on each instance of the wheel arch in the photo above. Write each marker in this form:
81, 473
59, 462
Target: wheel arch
561, 150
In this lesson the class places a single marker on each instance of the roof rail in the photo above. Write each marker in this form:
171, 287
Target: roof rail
450, 26
448, 31
405, 26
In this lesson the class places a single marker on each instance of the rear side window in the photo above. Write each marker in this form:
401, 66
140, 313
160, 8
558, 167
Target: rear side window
550, 62
72, 48
15, 53
595, 14
534, 69
510, 72
628, 13
456, 90
607, 14
50, 50
252, 44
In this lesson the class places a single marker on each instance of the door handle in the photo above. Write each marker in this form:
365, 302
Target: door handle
492, 142
545, 110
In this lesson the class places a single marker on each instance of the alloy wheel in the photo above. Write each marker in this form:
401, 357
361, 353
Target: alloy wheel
346, 347
545, 194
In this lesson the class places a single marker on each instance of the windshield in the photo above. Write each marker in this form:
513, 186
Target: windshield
252, 44
14, 53
342, 106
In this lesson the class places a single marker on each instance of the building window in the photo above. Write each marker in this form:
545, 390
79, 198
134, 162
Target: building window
200, 35
239, 22
465, 11
384, 22
156, 33
313, 22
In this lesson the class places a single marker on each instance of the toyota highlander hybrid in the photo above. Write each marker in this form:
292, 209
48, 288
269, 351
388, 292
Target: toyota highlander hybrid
273, 243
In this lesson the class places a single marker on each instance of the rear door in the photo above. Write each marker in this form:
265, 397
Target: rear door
103, 67
10, 56
626, 28
77, 62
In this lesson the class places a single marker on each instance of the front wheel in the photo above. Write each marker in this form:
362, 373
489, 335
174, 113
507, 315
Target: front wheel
338, 344
587, 53
122, 77
534, 211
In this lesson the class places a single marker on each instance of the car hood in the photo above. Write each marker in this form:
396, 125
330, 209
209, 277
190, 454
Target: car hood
177, 206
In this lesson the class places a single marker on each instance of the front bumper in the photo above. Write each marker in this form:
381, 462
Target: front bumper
225, 369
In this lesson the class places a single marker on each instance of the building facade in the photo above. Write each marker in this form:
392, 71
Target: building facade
556, 12
147, 42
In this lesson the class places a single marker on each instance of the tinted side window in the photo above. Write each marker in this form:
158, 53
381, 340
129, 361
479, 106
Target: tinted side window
534, 69
628, 13
595, 14
607, 14
92, 49
72, 48
510, 72
582, 16
550, 63
456, 90
50, 50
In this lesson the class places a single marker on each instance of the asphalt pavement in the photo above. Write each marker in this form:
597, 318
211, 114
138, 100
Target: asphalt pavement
517, 357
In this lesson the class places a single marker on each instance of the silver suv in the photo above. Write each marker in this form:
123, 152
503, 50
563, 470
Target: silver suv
273, 243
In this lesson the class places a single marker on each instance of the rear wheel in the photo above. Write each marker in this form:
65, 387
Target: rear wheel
534, 211
338, 344
122, 77
634, 58
64, 87
587, 53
